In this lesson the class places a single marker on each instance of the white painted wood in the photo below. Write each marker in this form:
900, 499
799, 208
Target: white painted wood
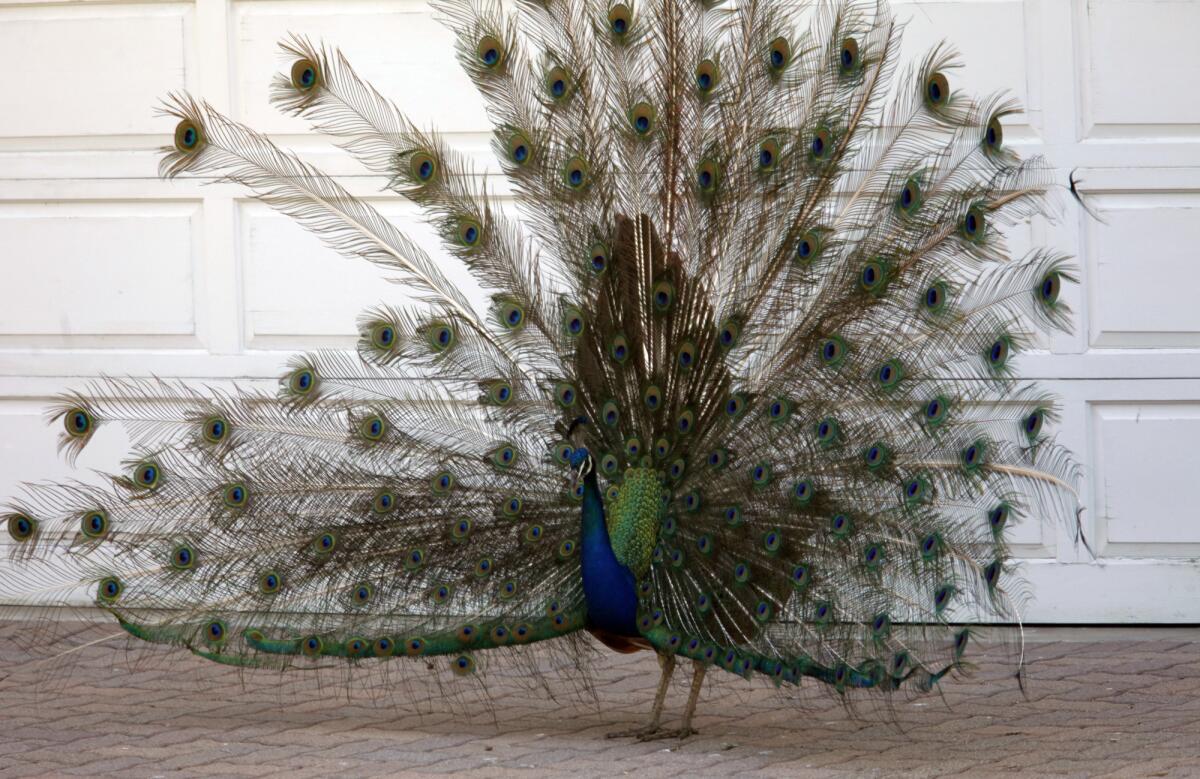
106, 269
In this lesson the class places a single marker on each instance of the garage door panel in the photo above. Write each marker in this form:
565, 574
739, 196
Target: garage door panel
92, 69
75, 271
1144, 504
1142, 65
1142, 270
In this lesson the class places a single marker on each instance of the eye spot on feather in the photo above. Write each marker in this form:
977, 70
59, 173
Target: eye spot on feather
361, 594
414, 647
933, 301
663, 295
717, 459
512, 315
1032, 424
686, 421
598, 257
877, 455
972, 456
188, 137
707, 178
820, 145
1048, 288
808, 248
779, 55
499, 393
147, 475
325, 543
512, 507
565, 394
620, 19
520, 149
935, 411
733, 516
559, 84
993, 135
707, 76
937, 90
768, 155
305, 75
422, 166
910, 199
110, 589
214, 632
236, 496
840, 525
974, 224
302, 381
916, 491
741, 573
760, 474
269, 583
77, 422
566, 549
828, 432
384, 646
641, 118
442, 482
848, 57
803, 493
772, 541
941, 598
383, 502
762, 612
991, 574
873, 556
833, 351
414, 560
729, 333
576, 174
652, 397
490, 52
998, 518
183, 557
94, 524
801, 576
573, 322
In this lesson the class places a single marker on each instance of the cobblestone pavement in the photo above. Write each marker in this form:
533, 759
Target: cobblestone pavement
1109, 702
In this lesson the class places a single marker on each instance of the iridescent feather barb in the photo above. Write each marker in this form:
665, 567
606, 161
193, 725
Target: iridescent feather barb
744, 392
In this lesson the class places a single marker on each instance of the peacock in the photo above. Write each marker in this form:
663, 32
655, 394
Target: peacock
742, 392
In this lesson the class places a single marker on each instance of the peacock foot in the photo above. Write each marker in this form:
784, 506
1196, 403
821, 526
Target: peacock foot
679, 733
644, 733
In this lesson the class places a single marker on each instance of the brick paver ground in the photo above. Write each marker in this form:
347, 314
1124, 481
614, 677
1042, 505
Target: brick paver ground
1099, 703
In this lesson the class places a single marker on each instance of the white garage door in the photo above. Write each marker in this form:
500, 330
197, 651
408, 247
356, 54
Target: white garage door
106, 269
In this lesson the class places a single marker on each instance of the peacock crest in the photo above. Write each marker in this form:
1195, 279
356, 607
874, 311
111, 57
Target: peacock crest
743, 393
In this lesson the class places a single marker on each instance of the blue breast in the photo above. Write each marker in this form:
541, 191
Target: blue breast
608, 586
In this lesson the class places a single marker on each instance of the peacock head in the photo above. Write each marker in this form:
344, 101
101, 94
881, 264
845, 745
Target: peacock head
579, 457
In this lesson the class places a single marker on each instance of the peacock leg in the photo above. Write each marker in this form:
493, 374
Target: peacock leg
667, 662
685, 727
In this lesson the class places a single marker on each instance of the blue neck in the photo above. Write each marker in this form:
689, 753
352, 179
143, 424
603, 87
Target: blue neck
608, 586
